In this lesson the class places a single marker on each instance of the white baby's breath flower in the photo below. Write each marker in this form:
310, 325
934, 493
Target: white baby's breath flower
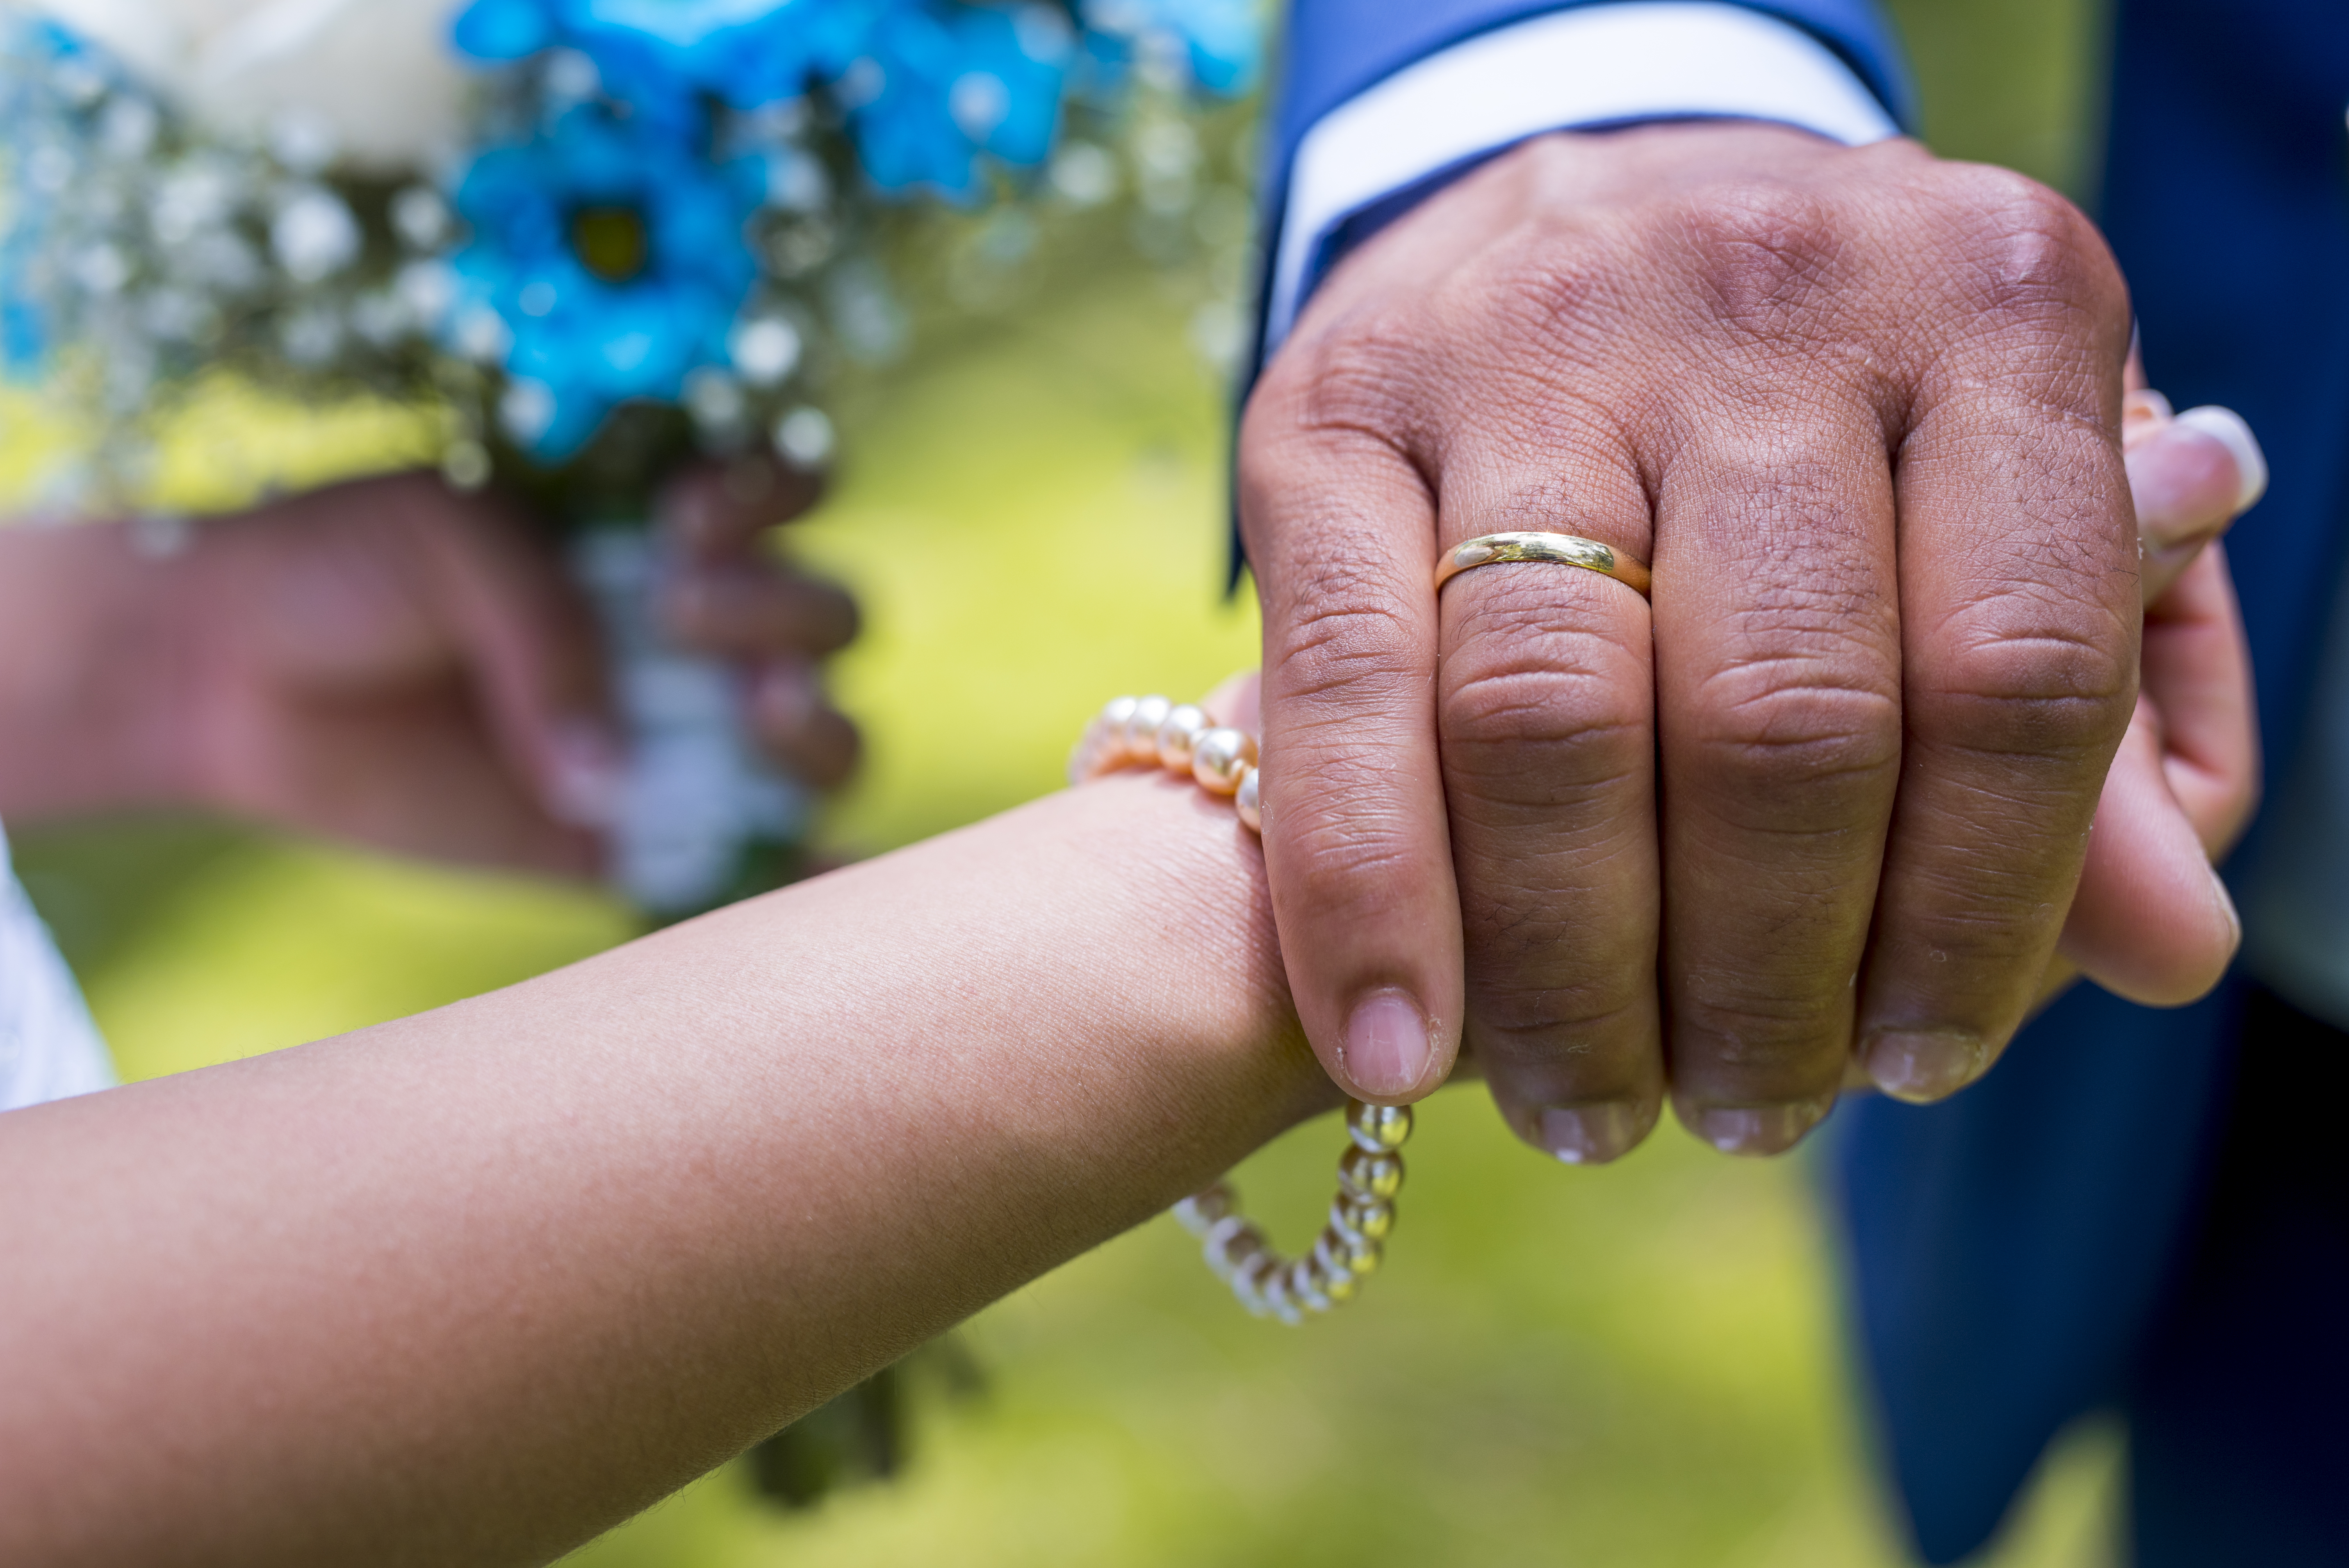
314, 235
425, 291
196, 196
796, 180
310, 336
482, 336
764, 349
804, 438
377, 78
527, 409
421, 218
715, 400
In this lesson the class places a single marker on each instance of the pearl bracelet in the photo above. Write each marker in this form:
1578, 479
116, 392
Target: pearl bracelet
1152, 732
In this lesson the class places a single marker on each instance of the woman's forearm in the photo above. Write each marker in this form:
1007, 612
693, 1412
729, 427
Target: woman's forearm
472, 1285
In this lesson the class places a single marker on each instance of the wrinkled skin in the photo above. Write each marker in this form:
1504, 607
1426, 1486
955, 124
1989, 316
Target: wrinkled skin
1827, 798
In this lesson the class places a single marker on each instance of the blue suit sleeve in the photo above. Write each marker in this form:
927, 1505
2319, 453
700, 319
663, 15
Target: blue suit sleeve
1336, 48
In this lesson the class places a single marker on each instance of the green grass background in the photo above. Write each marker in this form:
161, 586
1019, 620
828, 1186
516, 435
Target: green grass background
1639, 1365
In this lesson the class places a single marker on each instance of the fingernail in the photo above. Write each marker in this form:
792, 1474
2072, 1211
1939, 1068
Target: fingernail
2227, 906
1590, 1134
1921, 1065
788, 695
2228, 427
1386, 1047
2188, 485
585, 774
2142, 405
1759, 1130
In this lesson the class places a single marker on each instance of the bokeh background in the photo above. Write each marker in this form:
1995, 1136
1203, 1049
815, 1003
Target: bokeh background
1639, 1365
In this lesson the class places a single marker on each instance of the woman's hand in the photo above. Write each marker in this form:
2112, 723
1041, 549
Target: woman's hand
389, 661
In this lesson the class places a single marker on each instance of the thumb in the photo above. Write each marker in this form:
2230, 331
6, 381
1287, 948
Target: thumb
2151, 921
2192, 475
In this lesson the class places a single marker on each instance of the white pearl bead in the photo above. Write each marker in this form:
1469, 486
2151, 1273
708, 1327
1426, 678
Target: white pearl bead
1086, 760
1249, 799
1218, 758
1182, 729
1140, 737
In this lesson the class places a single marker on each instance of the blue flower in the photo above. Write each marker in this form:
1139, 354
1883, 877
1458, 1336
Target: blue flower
40, 122
610, 255
929, 86
937, 86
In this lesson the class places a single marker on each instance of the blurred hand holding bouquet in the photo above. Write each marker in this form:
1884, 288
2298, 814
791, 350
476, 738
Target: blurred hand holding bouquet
598, 238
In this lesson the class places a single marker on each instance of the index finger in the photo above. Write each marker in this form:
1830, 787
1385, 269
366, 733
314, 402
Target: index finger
1341, 531
715, 510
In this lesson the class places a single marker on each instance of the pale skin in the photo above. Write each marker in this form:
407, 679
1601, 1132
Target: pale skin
469, 1287
1826, 801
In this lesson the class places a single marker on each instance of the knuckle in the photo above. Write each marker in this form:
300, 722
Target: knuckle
1544, 724
1343, 626
1770, 1037
2053, 691
1345, 858
1351, 375
1761, 251
1762, 1025
1800, 723
1530, 309
2034, 254
1585, 1023
1803, 752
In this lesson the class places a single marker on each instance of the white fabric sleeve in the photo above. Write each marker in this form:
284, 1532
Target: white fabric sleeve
1597, 65
49, 1048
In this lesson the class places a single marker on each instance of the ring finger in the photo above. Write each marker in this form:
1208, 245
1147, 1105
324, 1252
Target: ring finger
1547, 711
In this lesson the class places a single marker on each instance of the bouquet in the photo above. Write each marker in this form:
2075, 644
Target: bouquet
594, 239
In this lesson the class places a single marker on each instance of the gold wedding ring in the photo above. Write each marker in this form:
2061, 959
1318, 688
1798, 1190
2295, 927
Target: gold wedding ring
1558, 549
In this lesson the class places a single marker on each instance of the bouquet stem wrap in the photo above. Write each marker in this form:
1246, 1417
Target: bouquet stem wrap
701, 817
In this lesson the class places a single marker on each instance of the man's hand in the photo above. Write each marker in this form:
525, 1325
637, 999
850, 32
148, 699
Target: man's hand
1832, 791
388, 661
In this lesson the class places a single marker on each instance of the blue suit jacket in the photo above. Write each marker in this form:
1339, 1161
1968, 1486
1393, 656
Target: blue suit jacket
2011, 1248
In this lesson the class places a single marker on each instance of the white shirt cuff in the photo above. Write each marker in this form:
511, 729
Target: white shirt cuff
1597, 65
